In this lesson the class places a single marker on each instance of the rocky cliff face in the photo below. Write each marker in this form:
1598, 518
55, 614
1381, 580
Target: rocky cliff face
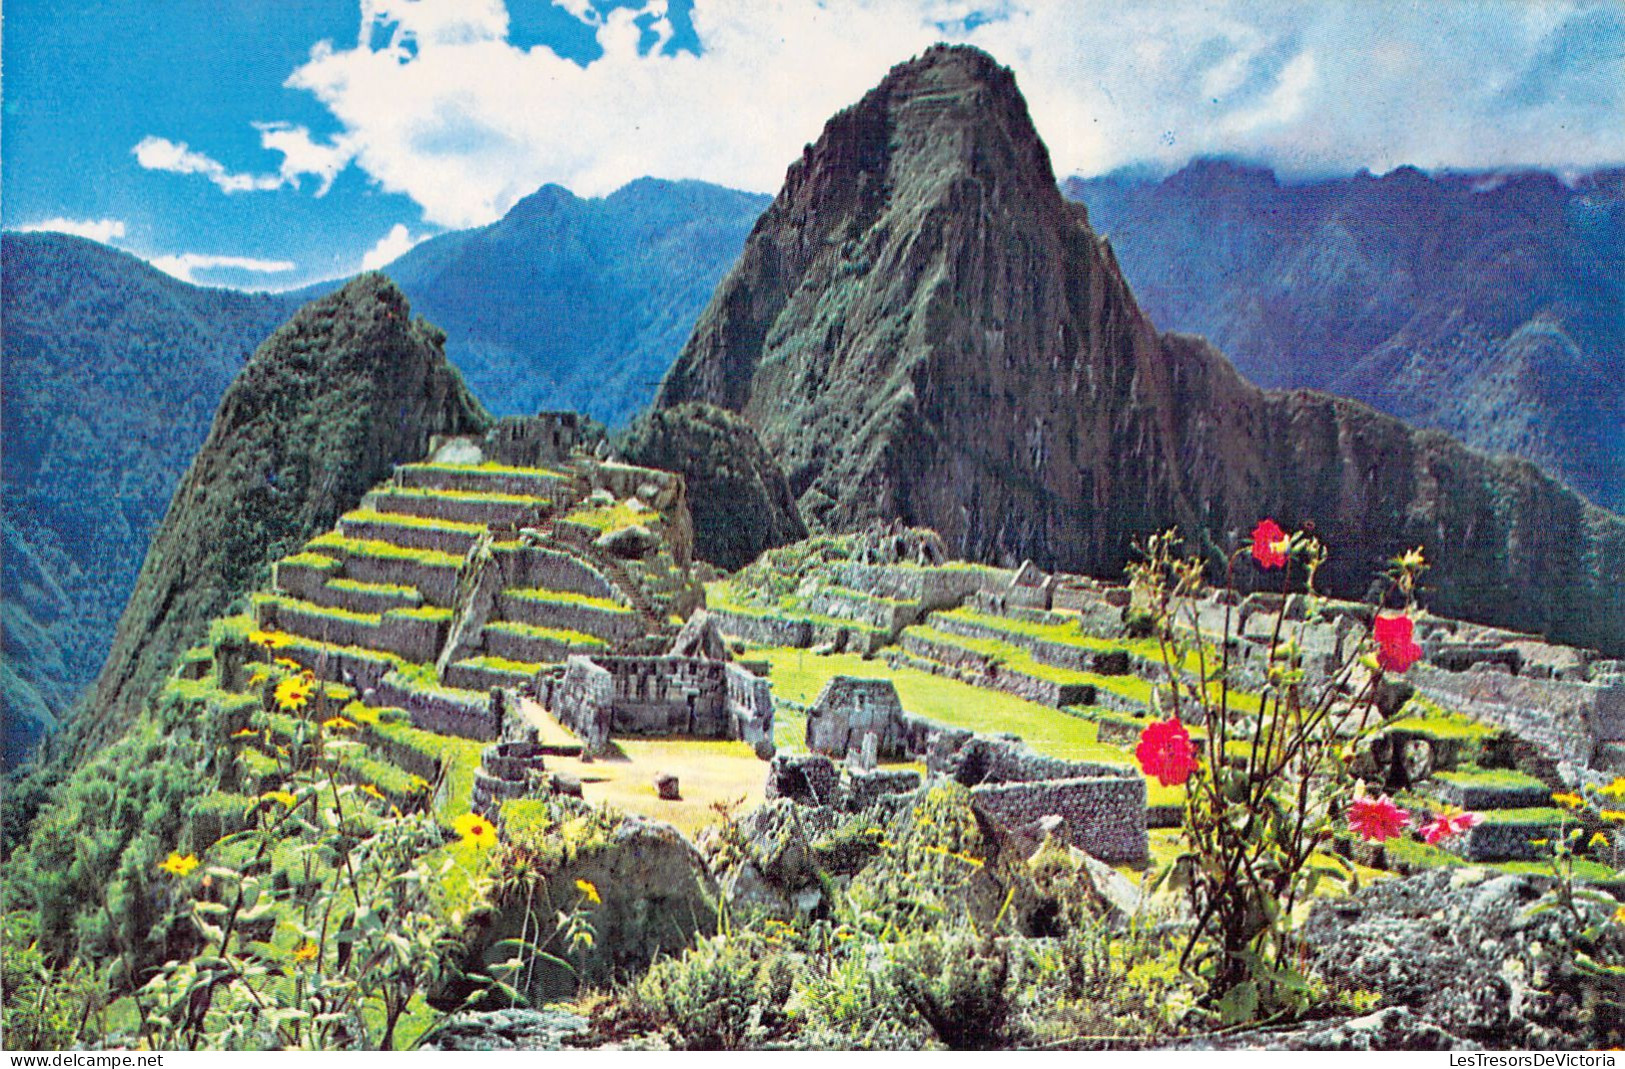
349, 387
921, 327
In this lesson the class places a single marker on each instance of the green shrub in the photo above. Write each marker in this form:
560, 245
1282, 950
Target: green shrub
960, 983
721, 994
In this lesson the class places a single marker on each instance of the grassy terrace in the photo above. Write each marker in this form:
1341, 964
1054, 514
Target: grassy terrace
310, 608
1072, 634
556, 634
614, 517
799, 675
367, 547
473, 497
406, 519
721, 595
488, 468
502, 664
1018, 659
374, 588
565, 597
308, 559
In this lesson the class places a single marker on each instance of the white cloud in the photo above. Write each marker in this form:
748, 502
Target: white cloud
186, 265
391, 247
301, 155
435, 101
175, 157
105, 231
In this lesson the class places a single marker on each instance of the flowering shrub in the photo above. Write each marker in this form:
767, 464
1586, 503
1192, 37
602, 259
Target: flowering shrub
1265, 790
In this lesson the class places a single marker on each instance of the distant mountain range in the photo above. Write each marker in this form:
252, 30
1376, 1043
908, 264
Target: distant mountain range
921, 328
112, 371
1488, 306
577, 304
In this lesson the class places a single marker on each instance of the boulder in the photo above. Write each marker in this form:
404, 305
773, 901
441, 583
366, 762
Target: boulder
514, 1029
629, 543
666, 787
1460, 950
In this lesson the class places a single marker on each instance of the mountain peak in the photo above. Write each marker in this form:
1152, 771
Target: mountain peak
920, 329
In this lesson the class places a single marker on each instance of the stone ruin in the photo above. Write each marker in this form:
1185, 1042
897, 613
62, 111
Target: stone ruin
687, 691
893, 543
1102, 808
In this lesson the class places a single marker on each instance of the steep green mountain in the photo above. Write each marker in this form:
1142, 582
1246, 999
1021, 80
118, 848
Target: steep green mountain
1490, 306
578, 304
349, 387
739, 498
110, 375
113, 369
922, 328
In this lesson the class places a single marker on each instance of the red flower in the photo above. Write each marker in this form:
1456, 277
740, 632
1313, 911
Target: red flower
1447, 825
1165, 752
1377, 819
1395, 650
1269, 544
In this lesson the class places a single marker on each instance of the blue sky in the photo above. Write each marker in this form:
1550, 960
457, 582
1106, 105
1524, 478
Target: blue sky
269, 143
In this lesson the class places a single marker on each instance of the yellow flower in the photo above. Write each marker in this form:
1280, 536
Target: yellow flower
1615, 789
306, 951
1568, 801
294, 692
245, 733
338, 723
1613, 816
1411, 558
271, 640
476, 830
285, 797
1619, 915
588, 889
258, 674
367, 788
178, 864
1598, 840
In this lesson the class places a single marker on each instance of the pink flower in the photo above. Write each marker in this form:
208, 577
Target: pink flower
1395, 650
1270, 544
1377, 819
1447, 825
1165, 752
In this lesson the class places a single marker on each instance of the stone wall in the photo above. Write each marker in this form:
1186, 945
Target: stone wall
531, 484
1568, 720
497, 513
517, 646
1103, 815
885, 614
665, 695
303, 581
1073, 657
749, 700
932, 588
436, 582
584, 702
467, 676
848, 708
988, 673
612, 625
443, 539
538, 441
540, 568
443, 711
